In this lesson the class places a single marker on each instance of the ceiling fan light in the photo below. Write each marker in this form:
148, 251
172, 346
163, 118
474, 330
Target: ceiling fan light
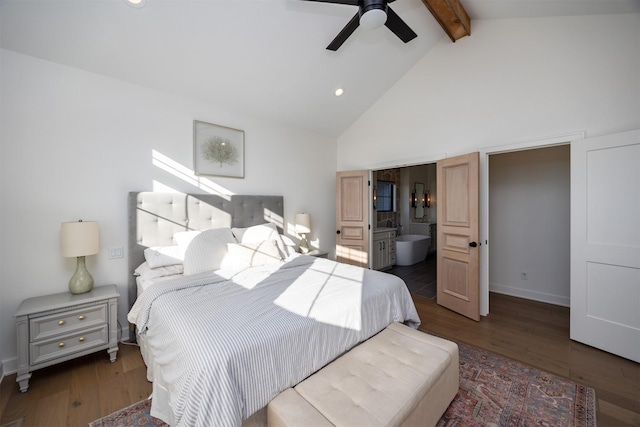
373, 18
136, 3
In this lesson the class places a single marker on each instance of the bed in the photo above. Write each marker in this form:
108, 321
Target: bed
242, 316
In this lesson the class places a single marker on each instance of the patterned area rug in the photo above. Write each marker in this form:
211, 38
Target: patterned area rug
494, 391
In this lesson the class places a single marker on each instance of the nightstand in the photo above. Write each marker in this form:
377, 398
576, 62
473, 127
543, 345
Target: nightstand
55, 328
317, 253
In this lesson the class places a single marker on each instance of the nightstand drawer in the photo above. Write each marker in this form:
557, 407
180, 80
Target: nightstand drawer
68, 345
69, 321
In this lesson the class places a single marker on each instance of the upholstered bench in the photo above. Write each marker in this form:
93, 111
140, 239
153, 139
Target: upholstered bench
399, 377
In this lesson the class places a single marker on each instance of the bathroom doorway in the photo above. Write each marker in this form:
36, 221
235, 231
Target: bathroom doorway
414, 218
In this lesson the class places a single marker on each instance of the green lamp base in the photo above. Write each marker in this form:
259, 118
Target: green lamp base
81, 281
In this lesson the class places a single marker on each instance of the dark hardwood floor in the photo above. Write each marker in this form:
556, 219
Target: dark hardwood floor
77, 392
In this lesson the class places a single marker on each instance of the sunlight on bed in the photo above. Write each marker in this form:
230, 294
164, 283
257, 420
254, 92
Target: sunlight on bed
188, 175
327, 294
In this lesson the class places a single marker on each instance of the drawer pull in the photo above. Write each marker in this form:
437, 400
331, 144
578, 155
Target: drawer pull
81, 339
80, 317
61, 322
61, 345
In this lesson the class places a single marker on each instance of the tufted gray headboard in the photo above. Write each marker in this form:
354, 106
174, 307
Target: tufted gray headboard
155, 217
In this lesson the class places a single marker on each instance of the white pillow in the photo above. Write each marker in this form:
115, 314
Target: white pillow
252, 254
207, 250
161, 256
147, 272
289, 246
184, 238
260, 233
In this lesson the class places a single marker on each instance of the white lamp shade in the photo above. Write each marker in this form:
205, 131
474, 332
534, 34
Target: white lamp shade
303, 223
79, 238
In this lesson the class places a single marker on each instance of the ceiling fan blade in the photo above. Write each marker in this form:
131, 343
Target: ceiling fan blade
345, 33
399, 27
351, 2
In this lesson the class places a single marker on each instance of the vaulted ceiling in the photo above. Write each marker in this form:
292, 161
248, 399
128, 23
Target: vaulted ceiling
266, 58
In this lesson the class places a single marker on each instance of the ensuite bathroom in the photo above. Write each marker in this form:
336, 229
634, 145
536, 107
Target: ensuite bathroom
404, 238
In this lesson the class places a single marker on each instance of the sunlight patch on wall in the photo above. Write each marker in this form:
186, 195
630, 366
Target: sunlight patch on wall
187, 175
290, 230
159, 187
277, 219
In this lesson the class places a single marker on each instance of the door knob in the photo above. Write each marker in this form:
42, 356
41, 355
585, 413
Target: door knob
473, 244
337, 231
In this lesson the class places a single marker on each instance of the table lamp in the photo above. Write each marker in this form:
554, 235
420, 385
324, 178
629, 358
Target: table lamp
303, 227
79, 239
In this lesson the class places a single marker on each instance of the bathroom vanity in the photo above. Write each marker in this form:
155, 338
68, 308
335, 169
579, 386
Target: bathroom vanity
384, 248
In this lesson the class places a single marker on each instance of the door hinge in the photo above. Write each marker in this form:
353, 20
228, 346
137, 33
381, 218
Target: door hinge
369, 226
369, 183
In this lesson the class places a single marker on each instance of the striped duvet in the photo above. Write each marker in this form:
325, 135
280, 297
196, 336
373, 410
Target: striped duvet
226, 347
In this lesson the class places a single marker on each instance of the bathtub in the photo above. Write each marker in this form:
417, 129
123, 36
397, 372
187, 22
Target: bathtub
411, 248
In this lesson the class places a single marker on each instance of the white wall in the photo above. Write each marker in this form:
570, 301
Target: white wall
529, 224
511, 80
74, 143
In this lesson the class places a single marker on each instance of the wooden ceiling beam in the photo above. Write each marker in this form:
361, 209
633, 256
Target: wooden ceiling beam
451, 16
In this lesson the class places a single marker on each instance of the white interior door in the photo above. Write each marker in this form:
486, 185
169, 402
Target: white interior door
605, 243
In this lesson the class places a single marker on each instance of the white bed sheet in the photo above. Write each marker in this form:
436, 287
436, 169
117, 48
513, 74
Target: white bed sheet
221, 349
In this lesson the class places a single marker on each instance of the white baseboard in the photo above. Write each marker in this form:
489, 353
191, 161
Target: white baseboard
532, 295
8, 367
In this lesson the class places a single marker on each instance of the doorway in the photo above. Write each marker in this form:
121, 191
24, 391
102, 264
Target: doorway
529, 224
485, 154
414, 214
528, 211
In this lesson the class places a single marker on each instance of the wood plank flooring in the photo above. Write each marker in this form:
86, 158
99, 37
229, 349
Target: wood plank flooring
79, 391
76, 392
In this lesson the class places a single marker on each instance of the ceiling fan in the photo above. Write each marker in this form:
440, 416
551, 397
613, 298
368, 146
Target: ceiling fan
371, 14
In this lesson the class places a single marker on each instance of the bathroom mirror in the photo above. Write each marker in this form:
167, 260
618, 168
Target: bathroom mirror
416, 200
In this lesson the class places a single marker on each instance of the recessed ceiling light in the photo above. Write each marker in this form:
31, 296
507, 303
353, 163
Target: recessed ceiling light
136, 3
339, 91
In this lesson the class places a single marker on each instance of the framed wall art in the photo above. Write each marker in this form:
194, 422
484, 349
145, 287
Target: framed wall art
217, 150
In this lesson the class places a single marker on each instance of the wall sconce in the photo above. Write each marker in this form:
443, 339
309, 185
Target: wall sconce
79, 239
427, 198
375, 198
414, 199
303, 227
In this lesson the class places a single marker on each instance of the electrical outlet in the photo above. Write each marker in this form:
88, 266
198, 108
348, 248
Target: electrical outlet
116, 252
524, 276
